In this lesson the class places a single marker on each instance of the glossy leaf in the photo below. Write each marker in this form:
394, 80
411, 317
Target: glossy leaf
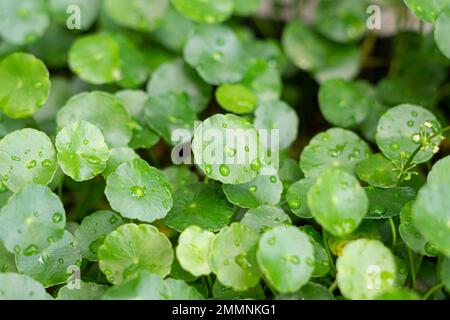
264, 218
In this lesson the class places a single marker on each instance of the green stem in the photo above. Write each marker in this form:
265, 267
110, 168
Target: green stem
433, 290
419, 263
412, 269
394, 232
333, 286
330, 257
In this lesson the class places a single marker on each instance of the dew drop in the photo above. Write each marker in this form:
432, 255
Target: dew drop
226, 262
253, 188
242, 261
60, 260
47, 163
57, 217
273, 179
431, 249
208, 169
394, 146
15, 158
31, 250
410, 123
271, 241
31, 164
414, 114
137, 192
237, 243
93, 247
224, 170
294, 203
256, 165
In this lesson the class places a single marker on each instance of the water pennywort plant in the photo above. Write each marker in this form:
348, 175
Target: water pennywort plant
219, 149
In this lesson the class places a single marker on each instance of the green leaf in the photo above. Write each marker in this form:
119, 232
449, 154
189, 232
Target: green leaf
141, 15
385, 203
95, 58
132, 248
134, 65
82, 151
14, 286
337, 202
365, 269
397, 294
427, 11
117, 156
296, 197
343, 21
179, 177
265, 217
205, 11
52, 265
148, 286
263, 190
445, 272
431, 215
233, 257
23, 21
199, 204
321, 259
245, 8
344, 103
440, 172
216, 54
441, 31
89, 10
87, 291
399, 125
285, 256
26, 156
193, 250
26, 84
378, 171
221, 292
264, 79
169, 112
333, 148
8, 263
134, 102
177, 77
92, 107
310, 291
411, 235
280, 116
92, 232
174, 30
231, 162
138, 191
236, 98
32, 219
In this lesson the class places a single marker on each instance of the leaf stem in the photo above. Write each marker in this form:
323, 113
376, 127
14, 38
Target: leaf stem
333, 286
433, 290
394, 232
330, 257
412, 268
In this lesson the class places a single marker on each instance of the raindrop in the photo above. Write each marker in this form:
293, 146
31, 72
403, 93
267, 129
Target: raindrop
137, 192
31, 164
30, 250
224, 170
253, 188
57, 217
294, 203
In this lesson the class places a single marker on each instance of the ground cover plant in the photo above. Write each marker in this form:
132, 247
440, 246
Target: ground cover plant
116, 181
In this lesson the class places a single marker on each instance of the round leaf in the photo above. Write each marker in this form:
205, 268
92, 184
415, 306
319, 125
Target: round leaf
117, 156
440, 172
296, 197
264, 218
52, 265
142, 15
92, 232
87, 291
263, 190
385, 203
177, 77
92, 107
337, 202
26, 156
82, 151
279, 116
199, 204
8, 263
132, 248
285, 256
236, 98
396, 130
427, 11
365, 269
216, 53
95, 58
138, 191
220, 156
32, 219
14, 286
378, 171
205, 11
179, 177
333, 148
193, 250
441, 31
23, 21
233, 257
431, 215
25, 84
